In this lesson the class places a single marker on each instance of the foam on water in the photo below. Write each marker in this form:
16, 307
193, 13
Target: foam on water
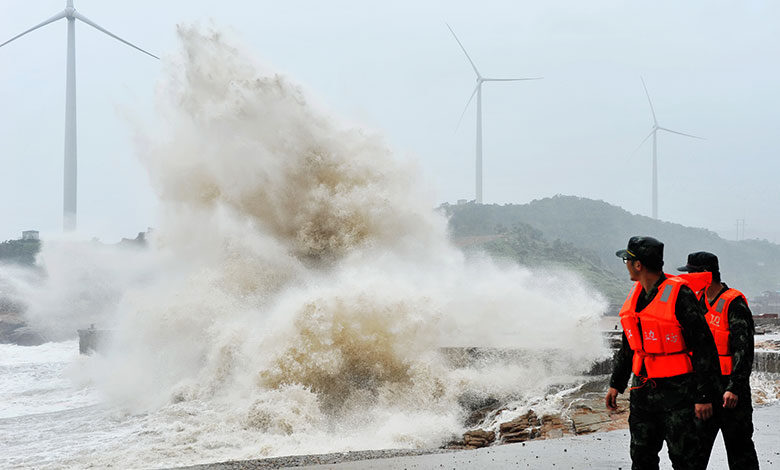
295, 296
34, 380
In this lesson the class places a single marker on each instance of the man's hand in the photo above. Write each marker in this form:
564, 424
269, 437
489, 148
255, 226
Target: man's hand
703, 411
611, 398
730, 400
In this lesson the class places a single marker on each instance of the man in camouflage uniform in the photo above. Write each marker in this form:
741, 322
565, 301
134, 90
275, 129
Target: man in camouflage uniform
733, 413
665, 409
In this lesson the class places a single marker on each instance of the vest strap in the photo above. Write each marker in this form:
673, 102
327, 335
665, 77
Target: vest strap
664, 365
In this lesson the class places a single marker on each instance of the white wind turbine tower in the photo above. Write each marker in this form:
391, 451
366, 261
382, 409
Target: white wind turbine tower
478, 91
70, 168
654, 134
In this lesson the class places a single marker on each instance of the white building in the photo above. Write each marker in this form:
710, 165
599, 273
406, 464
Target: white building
30, 235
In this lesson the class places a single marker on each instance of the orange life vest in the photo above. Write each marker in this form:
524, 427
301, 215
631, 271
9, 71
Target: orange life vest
697, 281
718, 320
654, 334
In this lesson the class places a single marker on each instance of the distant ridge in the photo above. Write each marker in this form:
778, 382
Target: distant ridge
598, 228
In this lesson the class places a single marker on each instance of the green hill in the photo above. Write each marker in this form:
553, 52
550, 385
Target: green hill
594, 230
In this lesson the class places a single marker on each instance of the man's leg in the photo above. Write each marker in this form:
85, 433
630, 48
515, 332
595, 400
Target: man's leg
647, 438
682, 439
737, 431
707, 431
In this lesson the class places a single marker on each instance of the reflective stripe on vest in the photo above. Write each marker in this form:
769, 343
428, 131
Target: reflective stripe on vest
654, 334
718, 319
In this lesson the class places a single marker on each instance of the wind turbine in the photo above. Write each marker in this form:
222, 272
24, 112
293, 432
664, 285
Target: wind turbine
478, 91
70, 167
654, 134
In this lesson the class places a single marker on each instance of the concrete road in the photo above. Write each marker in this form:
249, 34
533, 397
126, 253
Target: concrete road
598, 451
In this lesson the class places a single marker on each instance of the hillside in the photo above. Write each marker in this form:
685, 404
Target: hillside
600, 229
527, 246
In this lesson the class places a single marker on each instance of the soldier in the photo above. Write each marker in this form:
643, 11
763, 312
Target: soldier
732, 326
669, 348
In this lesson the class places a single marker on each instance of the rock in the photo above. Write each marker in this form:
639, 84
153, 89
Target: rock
14, 330
521, 422
517, 436
553, 426
26, 336
587, 423
478, 415
478, 438
522, 428
554, 434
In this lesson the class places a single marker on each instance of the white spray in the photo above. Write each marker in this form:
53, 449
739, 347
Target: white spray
299, 286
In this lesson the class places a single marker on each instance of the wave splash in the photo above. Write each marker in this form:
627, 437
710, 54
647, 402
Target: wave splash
299, 288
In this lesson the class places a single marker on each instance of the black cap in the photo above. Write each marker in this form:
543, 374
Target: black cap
648, 250
701, 261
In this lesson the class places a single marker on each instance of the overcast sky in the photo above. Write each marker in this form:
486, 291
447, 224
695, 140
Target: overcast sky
711, 68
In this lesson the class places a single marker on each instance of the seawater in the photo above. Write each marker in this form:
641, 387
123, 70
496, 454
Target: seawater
54, 416
294, 297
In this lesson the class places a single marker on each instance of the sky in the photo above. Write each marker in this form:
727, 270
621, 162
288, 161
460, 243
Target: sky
393, 67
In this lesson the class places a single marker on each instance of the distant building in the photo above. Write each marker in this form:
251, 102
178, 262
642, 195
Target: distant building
766, 303
462, 201
30, 235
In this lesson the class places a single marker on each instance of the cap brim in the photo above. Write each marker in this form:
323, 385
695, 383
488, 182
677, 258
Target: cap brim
684, 269
622, 254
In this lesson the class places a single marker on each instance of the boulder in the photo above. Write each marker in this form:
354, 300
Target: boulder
478, 438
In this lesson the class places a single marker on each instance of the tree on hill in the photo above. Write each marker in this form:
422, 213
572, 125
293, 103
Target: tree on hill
19, 251
528, 246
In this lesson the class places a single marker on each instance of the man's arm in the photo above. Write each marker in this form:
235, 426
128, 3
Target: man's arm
698, 339
621, 366
621, 371
741, 344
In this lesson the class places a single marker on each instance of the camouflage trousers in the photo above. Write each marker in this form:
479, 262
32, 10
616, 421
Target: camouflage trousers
651, 426
736, 425
662, 410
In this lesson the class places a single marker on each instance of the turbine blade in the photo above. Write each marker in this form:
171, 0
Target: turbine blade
652, 110
464, 51
467, 106
682, 133
54, 18
510, 79
103, 30
643, 141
